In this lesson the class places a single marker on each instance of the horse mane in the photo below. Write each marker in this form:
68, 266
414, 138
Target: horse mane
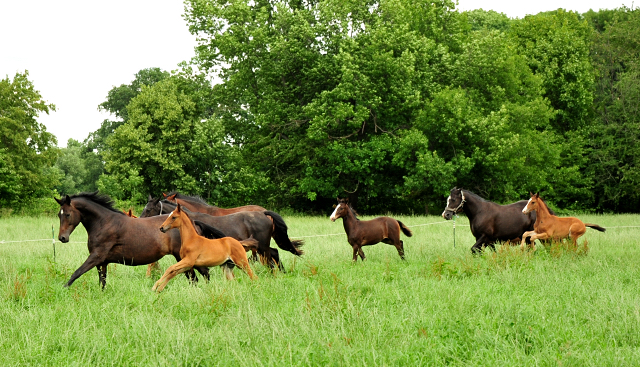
474, 195
184, 197
100, 199
546, 207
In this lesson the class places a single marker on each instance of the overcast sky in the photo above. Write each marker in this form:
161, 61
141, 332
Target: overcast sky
76, 51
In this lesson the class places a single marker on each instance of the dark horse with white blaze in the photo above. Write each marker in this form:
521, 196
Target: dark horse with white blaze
369, 232
242, 225
489, 222
114, 237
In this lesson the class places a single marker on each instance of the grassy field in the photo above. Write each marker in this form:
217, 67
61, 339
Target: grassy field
441, 306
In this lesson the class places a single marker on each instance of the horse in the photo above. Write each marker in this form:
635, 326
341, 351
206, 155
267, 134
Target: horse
197, 204
489, 222
369, 232
202, 229
262, 225
200, 251
114, 237
550, 227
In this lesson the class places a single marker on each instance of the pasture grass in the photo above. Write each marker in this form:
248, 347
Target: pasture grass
555, 306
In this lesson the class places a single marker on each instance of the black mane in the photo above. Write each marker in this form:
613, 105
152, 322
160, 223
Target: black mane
183, 197
100, 199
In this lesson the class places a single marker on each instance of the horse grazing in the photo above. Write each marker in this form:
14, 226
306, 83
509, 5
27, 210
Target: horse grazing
115, 237
197, 204
200, 251
369, 232
551, 227
261, 225
489, 222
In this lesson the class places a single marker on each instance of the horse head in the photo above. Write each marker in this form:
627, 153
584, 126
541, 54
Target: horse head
152, 208
340, 210
533, 203
69, 218
455, 201
174, 220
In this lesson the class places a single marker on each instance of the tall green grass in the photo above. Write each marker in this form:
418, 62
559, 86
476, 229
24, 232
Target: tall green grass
440, 306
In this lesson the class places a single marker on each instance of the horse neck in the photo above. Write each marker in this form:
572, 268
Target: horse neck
349, 221
187, 229
472, 205
542, 211
91, 213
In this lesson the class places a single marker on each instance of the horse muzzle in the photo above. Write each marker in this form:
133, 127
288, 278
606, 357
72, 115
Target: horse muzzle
63, 239
447, 214
164, 229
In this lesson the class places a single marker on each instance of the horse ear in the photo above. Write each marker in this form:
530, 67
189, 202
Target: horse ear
150, 198
178, 208
130, 213
59, 201
537, 195
67, 199
171, 198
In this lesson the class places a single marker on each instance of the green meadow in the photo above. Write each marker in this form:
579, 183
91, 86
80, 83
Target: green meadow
554, 306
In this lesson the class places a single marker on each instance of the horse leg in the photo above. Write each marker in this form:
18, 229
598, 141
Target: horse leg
94, 259
477, 247
102, 274
151, 268
241, 261
204, 271
227, 268
526, 239
361, 253
275, 255
537, 236
175, 269
400, 248
356, 248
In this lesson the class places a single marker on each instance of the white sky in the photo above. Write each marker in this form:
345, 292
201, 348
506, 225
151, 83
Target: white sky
76, 51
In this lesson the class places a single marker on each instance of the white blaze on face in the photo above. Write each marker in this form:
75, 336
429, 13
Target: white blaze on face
333, 215
445, 209
61, 211
524, 210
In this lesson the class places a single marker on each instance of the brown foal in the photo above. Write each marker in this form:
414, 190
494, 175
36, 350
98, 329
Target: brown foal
548, 226
369, 232
200, 251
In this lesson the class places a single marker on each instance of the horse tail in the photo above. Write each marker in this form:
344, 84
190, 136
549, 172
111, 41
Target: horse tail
250, 244
405, 229
280, 234
596, 227
208, 231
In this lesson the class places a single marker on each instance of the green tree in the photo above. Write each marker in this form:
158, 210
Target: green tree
168, 143
117, 100
556, 45
27, 150
79, 167
615, 139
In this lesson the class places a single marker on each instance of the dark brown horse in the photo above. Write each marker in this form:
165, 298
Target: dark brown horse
115, 237
261, 225
369, 232
489, 222
551, 227
197, 204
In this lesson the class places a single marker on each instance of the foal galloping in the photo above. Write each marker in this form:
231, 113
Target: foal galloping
369, 232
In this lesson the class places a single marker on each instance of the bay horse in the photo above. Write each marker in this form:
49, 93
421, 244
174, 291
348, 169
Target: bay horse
200, 251
551, 227
489, 222
369, 232
113, 237
197, 204
261, 225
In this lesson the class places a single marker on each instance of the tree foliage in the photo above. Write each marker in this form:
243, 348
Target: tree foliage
27, 150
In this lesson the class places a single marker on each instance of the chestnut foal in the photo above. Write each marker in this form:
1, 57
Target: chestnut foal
200, 251
548, 226
369, 232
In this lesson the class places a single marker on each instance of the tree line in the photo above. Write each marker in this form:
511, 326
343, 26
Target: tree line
391, 103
